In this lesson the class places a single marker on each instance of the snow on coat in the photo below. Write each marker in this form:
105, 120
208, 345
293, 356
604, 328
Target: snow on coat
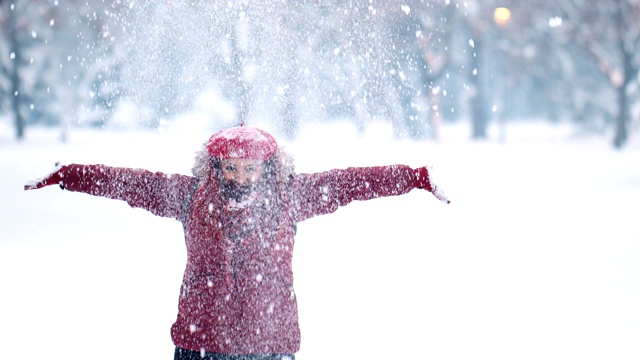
237, 294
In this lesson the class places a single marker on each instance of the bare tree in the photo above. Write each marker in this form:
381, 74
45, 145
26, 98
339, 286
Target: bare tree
54, 60
608, 32
12, 17
477, 20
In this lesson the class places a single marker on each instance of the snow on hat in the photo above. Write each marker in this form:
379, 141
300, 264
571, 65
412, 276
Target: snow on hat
242, 142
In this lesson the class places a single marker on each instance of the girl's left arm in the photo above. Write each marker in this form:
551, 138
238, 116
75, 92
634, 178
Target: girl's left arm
322, 193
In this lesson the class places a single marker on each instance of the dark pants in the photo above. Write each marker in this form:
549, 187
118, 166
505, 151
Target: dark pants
182, 354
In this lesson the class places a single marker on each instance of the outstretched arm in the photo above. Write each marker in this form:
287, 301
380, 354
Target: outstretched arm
322, 193
162, 194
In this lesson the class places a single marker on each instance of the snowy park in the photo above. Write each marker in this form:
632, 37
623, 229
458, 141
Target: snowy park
537, 256
527, 114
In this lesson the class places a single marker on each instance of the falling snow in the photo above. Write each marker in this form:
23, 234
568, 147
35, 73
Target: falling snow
537, 256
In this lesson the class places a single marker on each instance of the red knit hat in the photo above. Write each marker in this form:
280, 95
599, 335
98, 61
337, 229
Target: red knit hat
242, 142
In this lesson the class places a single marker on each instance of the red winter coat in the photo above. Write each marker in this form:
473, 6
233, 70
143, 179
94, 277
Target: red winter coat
237, 293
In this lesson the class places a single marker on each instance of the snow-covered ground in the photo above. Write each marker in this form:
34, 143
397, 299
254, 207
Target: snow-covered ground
537, 256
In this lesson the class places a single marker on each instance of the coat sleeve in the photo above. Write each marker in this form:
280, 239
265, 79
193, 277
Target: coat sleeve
322, 193
162, 194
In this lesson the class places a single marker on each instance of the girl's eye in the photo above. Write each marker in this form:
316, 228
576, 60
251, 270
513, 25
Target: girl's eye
230, 168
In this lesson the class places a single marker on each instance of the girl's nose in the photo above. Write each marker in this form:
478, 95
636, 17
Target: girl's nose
245, 178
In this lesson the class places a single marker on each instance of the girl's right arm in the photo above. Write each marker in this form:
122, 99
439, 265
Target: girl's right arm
162, 194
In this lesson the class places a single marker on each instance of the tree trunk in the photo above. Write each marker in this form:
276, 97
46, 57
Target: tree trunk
289, 114
289, 121
14, 77
628, 73
479, 118
240, 88
622, 119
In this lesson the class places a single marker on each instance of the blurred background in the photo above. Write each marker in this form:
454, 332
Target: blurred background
528, 110
417, 65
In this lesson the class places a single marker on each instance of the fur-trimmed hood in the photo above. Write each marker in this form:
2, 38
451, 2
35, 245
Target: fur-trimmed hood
282, 162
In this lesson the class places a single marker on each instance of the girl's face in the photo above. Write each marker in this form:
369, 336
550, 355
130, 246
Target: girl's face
242, 171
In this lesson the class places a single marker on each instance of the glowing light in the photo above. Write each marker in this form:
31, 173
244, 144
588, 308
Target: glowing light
502, 15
